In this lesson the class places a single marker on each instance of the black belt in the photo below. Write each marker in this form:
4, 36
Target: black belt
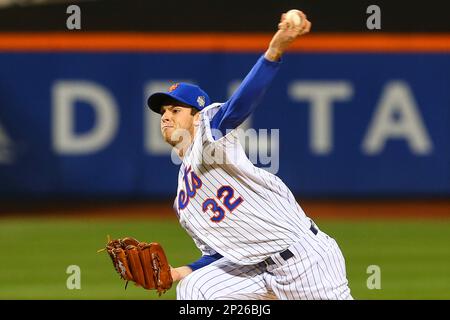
314, 229
287, 254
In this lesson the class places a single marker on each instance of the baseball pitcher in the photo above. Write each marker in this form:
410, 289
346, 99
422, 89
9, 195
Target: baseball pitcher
255, 239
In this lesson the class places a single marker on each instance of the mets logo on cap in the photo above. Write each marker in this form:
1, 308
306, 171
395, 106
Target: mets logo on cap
173, 87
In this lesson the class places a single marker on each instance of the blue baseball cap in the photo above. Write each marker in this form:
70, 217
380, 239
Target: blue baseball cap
185, 93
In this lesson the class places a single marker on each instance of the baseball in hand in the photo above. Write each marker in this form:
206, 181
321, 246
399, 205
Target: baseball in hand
293, 16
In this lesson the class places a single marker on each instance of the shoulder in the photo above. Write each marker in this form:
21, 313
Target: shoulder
206, 115
210, 111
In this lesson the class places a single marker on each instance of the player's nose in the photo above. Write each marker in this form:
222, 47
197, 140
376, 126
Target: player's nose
165, 116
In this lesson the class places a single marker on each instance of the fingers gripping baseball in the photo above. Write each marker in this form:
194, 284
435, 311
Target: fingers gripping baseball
299, 25
292, 24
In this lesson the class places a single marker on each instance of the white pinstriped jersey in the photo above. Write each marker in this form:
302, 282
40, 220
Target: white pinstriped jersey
230, 206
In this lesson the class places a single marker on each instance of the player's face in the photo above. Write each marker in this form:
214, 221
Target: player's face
177, 124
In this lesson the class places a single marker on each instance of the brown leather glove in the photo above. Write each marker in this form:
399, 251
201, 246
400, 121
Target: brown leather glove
141, 262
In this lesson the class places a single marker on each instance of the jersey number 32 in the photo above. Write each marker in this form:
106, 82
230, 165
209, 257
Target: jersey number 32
225, 195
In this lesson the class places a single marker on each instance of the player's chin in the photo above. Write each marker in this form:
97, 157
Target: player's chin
166, 138
169, 135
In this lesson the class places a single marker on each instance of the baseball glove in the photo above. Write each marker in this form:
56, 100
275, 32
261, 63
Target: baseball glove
141, 262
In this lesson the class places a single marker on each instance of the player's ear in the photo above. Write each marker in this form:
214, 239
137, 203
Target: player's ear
197, 119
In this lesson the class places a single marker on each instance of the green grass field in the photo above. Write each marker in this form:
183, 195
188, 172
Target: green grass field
414, 256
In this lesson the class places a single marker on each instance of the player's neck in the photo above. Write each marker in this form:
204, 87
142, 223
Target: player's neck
184, 146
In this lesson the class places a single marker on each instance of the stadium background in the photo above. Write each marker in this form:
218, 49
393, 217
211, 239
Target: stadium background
363, 143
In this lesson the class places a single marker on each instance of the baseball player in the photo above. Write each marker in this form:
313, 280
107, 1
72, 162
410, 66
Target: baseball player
255, 239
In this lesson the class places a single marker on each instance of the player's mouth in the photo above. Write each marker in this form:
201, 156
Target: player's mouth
166, 127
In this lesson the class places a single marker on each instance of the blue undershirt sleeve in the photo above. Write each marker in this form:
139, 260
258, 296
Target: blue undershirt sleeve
204, 261
245, 99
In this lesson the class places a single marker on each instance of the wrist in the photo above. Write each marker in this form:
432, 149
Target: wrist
273, 54
180, 272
